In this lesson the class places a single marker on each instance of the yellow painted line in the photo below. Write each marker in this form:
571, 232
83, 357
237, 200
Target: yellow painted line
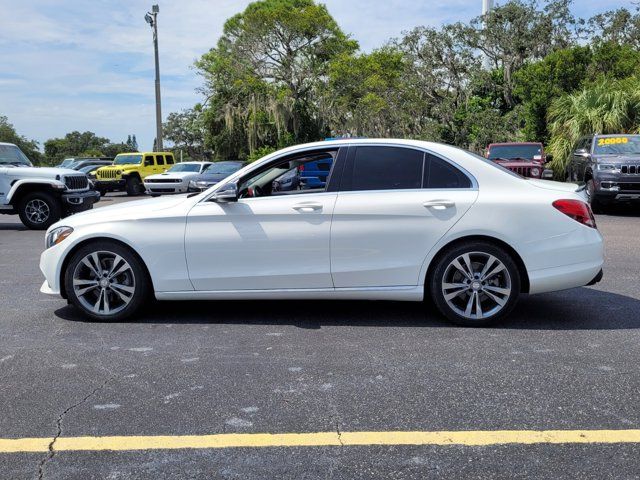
320, 439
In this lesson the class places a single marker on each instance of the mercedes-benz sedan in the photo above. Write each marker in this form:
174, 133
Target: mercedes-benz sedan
395, 220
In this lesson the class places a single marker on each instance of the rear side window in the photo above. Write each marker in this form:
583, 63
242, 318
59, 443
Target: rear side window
160, 159
148, 160
386, 168
169, 159
441, 174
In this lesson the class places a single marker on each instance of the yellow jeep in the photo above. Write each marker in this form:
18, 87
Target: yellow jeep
129, 170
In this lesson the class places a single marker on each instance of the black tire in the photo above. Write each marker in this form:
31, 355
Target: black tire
135, 279
596, 205
134, 186
478, 250
32, 203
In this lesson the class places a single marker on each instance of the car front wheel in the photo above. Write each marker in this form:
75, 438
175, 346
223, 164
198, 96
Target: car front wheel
39, 210
106, 281
475, 285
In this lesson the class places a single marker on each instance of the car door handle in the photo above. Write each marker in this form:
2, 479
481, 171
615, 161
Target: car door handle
439, 204
308, 207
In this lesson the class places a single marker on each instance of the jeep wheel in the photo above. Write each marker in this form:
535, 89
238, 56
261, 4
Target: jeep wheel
39, 210
134, 186
106, 281
596, 205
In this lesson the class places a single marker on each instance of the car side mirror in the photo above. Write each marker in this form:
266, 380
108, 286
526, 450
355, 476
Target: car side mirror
227, 193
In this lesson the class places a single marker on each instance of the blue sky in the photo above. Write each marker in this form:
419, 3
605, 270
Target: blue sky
88, 64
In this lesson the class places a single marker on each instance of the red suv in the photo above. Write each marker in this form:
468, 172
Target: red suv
524, 158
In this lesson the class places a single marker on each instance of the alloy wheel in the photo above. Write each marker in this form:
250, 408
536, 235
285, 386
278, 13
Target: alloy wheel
37, 211
104, 283
476, 285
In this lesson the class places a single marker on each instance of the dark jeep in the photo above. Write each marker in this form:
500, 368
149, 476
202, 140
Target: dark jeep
609, 166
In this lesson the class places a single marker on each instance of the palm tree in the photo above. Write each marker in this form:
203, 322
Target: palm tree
605, 107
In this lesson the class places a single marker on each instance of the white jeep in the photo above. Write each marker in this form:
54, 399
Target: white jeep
40, 196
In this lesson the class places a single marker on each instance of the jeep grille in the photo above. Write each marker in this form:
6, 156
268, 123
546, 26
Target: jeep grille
107, 174
630, 169
76, 182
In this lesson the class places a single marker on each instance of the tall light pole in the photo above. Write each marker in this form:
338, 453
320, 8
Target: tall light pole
487, 6
152, 20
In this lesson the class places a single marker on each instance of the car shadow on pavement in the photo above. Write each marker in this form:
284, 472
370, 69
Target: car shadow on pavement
622, 210
18, 227
577, 309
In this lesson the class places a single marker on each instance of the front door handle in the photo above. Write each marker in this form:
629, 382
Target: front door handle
439, 204
308, 207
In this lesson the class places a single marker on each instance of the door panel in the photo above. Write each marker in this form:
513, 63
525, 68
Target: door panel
261, 243
381, 238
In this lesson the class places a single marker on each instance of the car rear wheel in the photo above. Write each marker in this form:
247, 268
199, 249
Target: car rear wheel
477, 284
39, 210
106, 281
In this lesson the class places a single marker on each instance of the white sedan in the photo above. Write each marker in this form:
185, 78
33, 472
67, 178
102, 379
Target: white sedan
395, 220
176, 179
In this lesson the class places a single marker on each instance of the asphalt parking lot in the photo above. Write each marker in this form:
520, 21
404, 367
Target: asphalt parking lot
565, 361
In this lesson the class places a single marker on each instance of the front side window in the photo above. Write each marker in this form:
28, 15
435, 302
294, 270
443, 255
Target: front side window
288, 176
127, 159
386, 168
148, 161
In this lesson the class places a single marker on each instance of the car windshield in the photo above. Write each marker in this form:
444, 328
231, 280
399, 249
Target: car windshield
223, 168
513, 152
89, 168
66, 162
617, 145
127, 159
12, 155
185, 167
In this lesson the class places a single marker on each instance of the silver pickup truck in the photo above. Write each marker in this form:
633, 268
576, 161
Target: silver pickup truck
40, 196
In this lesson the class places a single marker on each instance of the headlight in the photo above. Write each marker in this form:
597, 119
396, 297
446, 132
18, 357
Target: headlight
57, 235
608, 167
535, 172
118, 172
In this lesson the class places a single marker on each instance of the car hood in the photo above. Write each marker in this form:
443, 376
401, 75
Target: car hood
179, 175
126, 211
617, 158
40, 172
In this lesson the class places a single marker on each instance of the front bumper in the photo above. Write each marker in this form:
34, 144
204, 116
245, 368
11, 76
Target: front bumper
164, 188
79, 202
110, 185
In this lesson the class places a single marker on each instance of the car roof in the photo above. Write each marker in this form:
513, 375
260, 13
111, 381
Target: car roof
6, 143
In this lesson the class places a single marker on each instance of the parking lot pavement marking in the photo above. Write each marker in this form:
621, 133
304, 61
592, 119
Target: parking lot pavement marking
319, 439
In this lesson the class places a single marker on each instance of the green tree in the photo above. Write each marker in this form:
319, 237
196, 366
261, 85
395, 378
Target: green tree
73, 144
30, 148
604, 107
186, 130
263, 77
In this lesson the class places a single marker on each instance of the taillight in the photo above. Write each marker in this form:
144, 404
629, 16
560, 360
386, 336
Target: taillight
579, 211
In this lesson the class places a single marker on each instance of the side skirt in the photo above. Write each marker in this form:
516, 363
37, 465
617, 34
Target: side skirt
403, 293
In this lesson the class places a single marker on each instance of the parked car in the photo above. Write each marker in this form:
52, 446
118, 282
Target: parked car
609, 167
94, 162
40, 196
524, 158
176, 179
397, 220
214, 173
73, 162
129, 170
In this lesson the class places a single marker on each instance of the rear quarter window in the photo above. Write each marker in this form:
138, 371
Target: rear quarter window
441, 174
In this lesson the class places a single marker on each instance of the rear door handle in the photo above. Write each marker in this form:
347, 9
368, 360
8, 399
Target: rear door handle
308, 207
439, 204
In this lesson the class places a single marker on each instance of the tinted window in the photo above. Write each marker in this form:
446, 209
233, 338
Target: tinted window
160, 159
148, 160
387, 168
169, 159
440, 174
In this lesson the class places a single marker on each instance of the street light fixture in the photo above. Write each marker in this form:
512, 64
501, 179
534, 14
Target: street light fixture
152, 19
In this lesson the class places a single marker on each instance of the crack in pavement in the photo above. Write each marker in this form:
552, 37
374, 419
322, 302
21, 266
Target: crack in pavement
339, 434
51, 446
